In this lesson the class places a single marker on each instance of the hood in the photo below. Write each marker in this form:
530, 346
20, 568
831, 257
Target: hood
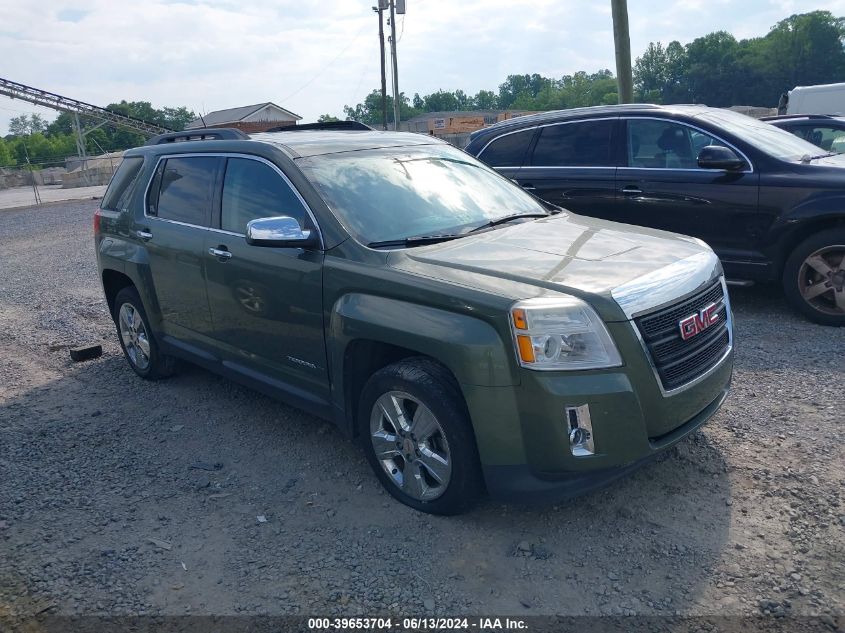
566, 253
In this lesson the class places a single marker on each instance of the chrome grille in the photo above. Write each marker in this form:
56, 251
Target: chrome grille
678, 361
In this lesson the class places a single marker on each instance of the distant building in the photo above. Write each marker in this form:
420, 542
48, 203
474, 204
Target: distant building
252, 118
456, 122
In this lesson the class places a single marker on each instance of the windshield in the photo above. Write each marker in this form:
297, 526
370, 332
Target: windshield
397, 193
765, 137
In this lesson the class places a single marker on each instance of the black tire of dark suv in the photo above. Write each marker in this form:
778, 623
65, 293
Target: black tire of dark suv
814, 277
137, 339
408, 445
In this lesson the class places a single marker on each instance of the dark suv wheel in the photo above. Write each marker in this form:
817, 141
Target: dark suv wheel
814, 277
136, 338
417, 436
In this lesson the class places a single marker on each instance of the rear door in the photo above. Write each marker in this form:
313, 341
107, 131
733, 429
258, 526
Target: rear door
266, 302
662, 186
174, 230
573, 165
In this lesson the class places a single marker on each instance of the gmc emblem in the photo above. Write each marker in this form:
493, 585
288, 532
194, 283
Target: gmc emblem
697, 323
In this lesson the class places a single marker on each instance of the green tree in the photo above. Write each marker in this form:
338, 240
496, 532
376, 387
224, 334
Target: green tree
6, 156
26, 124
369, 111
712, 69
803, 50
441, 101
485, 100
651, 71
327, 118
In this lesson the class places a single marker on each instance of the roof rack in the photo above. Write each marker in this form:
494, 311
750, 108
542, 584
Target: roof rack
325, 125
781, 117
199, 134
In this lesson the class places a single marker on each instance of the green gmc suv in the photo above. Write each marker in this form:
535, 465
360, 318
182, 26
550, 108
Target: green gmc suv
467, 334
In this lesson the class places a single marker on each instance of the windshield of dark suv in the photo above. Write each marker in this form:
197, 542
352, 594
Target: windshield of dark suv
764, 136
393, 194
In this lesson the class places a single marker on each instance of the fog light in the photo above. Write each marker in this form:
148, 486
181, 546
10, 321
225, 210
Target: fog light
580, 427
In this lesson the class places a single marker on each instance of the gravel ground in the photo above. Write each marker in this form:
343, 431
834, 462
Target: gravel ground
120, 496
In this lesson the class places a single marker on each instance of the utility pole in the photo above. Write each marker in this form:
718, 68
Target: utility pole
395, 66
382, 5
622, 39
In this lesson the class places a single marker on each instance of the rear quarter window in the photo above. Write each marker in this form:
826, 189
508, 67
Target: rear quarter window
508, 150
122, 184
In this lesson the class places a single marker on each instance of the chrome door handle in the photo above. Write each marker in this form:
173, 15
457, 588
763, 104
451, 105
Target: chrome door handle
219, 254
631, 189
144, 234
529, 187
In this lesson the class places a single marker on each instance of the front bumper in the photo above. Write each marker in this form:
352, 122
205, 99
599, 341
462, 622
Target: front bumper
519, 483
523, 437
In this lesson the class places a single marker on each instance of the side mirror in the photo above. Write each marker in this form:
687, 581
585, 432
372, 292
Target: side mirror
281, 231
718, 157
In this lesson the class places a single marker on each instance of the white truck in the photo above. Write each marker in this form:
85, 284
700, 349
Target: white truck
821, 99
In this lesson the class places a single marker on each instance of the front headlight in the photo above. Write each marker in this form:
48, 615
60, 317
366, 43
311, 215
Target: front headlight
560, 334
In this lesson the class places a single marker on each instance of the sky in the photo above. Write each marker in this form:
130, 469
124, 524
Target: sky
315, 56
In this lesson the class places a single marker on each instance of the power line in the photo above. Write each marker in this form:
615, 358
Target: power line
326, 67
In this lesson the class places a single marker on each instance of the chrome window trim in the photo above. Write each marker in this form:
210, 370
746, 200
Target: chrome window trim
552, 124
750, 169
565, 167
669, 284
625, 118
259, 159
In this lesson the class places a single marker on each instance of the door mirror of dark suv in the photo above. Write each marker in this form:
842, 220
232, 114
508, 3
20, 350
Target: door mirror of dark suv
718, 157
282, 231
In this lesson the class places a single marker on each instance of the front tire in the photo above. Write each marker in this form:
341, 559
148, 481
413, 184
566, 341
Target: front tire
814, 278
416, 433
136, 338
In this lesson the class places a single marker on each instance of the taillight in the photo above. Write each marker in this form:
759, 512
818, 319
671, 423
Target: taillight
97, 222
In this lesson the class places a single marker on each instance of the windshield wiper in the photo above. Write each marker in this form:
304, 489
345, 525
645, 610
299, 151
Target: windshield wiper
418, 240
806, 158
510, 218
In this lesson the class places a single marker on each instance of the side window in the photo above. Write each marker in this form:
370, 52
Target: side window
579, 144
187, 187
828, 138
664, 144
252, 190
508, 150
122, 184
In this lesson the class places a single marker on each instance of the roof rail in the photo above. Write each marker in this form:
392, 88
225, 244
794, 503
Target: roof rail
782, 117
325, 125
199, 134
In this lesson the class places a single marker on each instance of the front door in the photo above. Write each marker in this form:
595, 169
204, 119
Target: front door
266, 302
663, 187
173, 232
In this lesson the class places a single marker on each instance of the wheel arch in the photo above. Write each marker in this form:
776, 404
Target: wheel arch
113, 282
367, 333
806, 229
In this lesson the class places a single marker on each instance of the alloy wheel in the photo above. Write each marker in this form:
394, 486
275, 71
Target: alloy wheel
133, 333
821, 280
410, 445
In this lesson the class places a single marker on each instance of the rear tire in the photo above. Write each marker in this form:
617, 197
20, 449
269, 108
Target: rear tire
814, 278
137, 339
413, 414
